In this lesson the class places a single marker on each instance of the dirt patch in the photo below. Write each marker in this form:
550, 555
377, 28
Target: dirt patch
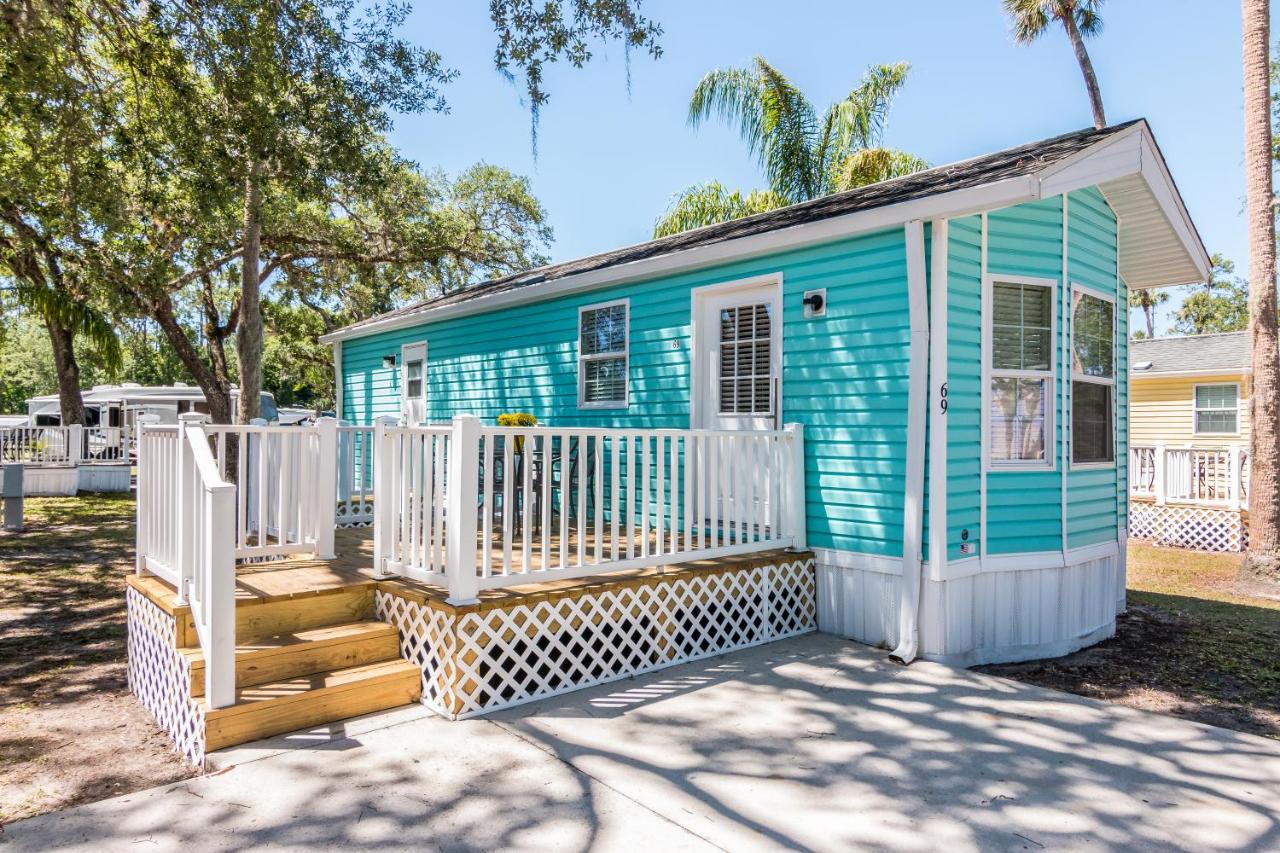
1189, 645
70, 732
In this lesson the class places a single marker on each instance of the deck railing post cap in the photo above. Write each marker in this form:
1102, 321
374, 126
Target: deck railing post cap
193, 418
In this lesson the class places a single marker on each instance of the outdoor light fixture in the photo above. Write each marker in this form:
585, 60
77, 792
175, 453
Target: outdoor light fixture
388, 361
815, 303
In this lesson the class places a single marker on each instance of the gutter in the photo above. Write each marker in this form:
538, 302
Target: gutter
917, 414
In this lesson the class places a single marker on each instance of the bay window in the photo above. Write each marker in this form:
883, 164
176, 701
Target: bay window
1020, 372
1093, 378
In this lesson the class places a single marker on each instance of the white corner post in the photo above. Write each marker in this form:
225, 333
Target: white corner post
385, 499
1159, 474
938, 526
917, 415
326, 495
220, 595
794, 511
463, 494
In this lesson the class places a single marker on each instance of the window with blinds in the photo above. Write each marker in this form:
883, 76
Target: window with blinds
602, 355
1093, 379
1217, 409
1020, 373
746, 360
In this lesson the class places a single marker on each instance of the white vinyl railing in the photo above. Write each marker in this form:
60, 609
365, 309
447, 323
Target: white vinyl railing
185, 511
472, 507
106, 444
1197, 475
41, 445
355, 476
285, 479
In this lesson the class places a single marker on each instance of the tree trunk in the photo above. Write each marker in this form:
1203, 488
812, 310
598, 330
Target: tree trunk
1086, 68
1262, 562
65, 365
249, 335
1149, 309
217, 389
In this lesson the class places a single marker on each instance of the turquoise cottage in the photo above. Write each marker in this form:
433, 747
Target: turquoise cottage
953, 342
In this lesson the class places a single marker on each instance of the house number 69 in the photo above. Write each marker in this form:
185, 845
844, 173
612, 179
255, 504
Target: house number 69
942, 393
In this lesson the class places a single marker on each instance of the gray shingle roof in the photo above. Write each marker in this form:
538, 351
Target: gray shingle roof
1010, 163
1227, 352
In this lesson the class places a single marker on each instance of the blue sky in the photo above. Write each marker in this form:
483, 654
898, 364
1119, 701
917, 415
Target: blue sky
609, 162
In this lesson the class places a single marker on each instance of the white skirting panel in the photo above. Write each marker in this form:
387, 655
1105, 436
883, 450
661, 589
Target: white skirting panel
986, 617
50, 481
105, 478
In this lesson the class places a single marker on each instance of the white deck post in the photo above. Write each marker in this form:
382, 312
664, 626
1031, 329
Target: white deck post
460, 528
794, 513
220, 595
184, 511
75, 443
326, 496
1159, 475
384, 502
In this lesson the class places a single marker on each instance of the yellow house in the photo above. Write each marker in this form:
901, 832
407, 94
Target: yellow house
1189, 440
1191, 391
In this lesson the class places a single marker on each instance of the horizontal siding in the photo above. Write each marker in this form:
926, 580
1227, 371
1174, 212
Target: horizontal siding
1024, 508
1092, 496
1162, 411
844, 376
964, 382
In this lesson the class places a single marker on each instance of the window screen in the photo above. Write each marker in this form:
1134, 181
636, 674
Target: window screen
1216, 408
1092, 378
602, 355
1021, 370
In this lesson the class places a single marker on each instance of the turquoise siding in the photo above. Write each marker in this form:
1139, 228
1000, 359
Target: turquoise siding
844, 376
1092, 496
1024, 508
964, 383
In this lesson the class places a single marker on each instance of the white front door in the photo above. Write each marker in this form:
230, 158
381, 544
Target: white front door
738, 336
413, 383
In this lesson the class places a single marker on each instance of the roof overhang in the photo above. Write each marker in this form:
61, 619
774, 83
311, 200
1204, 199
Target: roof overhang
1159, 246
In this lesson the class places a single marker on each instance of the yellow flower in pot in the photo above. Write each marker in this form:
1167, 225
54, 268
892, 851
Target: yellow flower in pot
517, 419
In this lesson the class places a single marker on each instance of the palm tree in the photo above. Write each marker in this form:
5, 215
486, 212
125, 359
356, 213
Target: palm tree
803, 157
1079, 18
1262, 562
1147, 300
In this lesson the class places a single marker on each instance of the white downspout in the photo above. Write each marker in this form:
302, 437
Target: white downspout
917, 413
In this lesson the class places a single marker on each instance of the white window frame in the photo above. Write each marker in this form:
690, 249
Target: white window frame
401, 366
625, 354
1094, 380
1050, 462
1194, 410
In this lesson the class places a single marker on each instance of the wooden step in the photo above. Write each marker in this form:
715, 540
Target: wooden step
284, 656
258, 618
298, 703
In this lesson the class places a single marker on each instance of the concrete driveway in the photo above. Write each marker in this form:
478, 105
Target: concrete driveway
809, 743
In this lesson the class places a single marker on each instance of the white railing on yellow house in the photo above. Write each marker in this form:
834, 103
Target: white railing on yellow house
473, 507
186, 513
1205, 476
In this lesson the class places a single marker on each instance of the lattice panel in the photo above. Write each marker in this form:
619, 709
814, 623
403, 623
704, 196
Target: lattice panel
495, 658
1181, 526
427, 638
354, 512
161, 677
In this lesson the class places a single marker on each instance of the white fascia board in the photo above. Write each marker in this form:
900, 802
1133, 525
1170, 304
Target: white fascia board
949, 205
1178, 374
1117, 157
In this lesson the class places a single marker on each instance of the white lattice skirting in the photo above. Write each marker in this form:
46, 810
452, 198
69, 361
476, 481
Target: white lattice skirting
480, 659
161, 677
1183, 526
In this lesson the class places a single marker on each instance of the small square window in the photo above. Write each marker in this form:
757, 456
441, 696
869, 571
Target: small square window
1217, 409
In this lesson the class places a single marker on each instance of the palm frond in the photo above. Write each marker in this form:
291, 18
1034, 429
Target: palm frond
731, 95
83, 320
790, 130
1087, 17
858, 121
1028, 19
710, 203
872, 165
